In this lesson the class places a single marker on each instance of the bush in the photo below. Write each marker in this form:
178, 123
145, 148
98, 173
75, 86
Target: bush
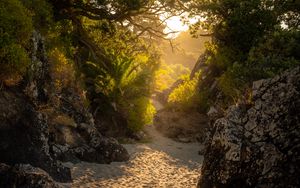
15, 31
140, 112
231, 83
61, 69
184, 95
272, 55
14, 61
15, 23
166, 75
41, 13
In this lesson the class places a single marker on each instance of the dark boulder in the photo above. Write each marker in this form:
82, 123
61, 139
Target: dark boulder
80, 139
96, 149
258, 146
24, 136
25, 176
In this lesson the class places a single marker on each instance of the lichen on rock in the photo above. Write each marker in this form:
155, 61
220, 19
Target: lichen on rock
258, 146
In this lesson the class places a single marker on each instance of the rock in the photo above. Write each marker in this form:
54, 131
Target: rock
40, 125
212, 111
140, 135
110, 123
75, 136
39, 70
25, 176
24, 136
183, 139
258, 146
96, 149
108, 147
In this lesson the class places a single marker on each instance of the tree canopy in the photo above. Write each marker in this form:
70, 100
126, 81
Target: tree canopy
110, 46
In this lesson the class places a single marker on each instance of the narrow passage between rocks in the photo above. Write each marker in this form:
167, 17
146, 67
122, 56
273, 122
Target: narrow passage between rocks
160, 163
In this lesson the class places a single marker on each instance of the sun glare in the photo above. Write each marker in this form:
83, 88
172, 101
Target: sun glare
175, 26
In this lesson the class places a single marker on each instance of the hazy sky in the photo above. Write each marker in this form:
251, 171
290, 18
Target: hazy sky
175, 24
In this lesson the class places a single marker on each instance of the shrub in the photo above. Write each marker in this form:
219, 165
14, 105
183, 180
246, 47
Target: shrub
184, 94
15, 31
41, 13
15, 23
61, 69
140, 112
166, 75
231, 83
14, 61
272, 55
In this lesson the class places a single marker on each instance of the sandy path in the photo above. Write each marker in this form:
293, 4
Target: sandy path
159, 163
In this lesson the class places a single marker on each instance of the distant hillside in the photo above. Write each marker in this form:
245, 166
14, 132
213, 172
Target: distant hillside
185, 51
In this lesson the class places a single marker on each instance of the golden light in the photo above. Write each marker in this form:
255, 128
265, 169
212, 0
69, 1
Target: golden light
174, 25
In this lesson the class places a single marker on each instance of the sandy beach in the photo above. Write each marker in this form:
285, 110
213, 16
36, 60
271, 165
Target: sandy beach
160, 163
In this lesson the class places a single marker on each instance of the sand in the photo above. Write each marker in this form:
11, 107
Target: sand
160, 163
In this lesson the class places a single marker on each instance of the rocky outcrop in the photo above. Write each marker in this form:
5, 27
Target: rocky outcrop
38, 73
72, 132
258, 145
24, 135
40, 126
25, 176
95, 148
78, 138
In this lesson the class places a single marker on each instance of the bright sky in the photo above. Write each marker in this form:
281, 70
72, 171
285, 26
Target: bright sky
175, 24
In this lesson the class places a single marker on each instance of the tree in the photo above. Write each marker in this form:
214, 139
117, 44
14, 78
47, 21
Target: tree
251, 40
113, 52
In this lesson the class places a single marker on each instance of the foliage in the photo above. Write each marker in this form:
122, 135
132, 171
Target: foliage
140, 112
275, 53
14, 61
249, 41
41, 12
61, 69
185, 94
127, 81
108, 46
15, 30
105, 42
166, 75
271, 56
230, 84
